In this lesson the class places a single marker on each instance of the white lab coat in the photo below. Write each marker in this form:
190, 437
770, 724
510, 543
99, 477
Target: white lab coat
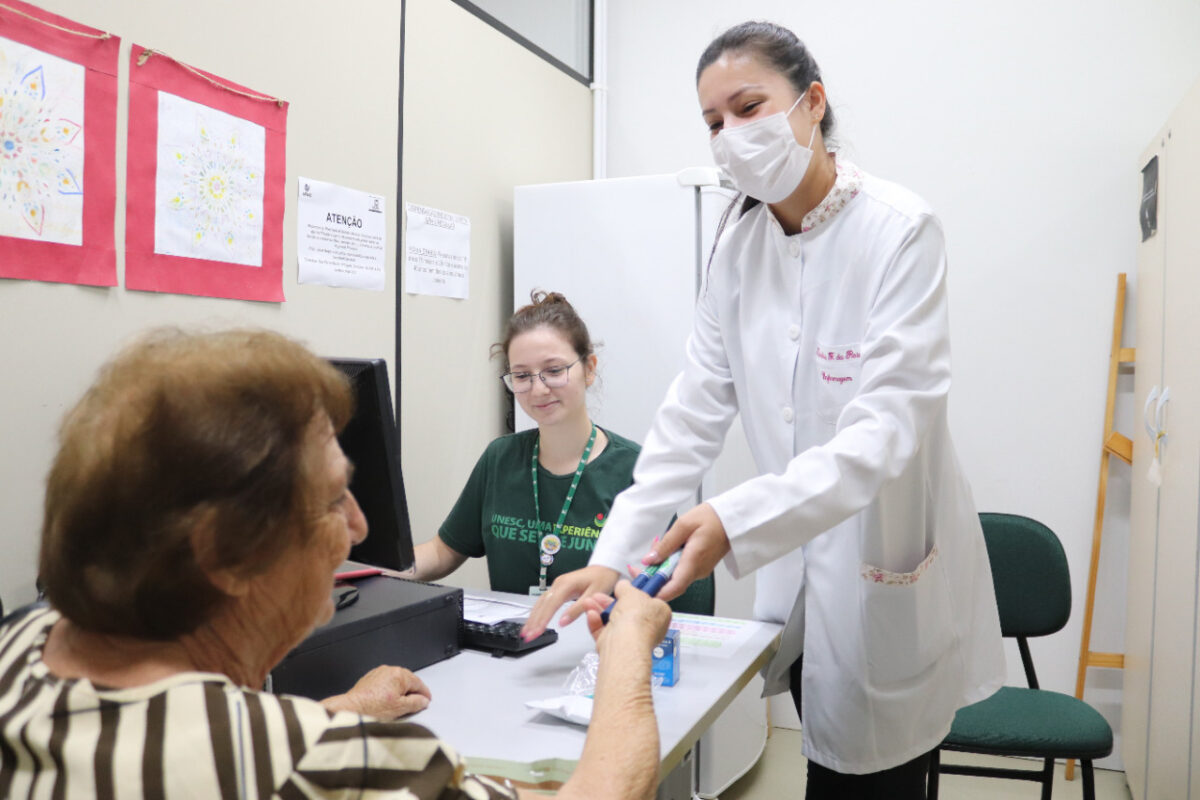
834, 346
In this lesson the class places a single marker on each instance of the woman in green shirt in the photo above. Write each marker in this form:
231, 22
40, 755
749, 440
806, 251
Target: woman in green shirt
537, 500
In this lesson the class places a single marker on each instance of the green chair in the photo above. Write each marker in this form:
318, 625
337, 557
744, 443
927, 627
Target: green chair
1033, 592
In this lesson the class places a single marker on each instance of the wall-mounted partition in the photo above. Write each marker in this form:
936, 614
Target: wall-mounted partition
560, 32
339, 71
482, 114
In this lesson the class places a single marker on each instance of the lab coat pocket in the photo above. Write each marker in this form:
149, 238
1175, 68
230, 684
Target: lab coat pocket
839, 369
907, 620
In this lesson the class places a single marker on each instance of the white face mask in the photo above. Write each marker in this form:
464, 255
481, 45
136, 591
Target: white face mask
763, 157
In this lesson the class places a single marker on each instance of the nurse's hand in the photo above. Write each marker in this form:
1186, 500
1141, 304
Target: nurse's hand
702, 536
568, 587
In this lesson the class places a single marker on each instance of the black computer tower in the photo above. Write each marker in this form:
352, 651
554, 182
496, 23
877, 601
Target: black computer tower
399, 622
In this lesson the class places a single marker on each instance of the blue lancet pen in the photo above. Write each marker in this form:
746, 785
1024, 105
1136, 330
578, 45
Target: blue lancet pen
650, 580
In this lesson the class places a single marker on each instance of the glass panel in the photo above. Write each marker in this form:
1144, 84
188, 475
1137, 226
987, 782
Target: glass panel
561, 28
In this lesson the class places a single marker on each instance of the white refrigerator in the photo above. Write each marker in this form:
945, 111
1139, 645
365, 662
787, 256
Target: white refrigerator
629, 254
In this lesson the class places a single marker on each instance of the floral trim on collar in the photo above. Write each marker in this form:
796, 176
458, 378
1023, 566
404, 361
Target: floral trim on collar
845, 188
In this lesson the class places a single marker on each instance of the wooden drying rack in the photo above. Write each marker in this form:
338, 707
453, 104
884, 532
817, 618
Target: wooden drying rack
1115, 444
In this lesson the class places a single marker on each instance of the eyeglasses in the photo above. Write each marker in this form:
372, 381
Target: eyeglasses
554, 377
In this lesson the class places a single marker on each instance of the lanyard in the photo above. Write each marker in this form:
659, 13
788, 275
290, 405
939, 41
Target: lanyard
552, 542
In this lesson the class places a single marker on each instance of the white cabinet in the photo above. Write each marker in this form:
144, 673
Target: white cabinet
1161, 712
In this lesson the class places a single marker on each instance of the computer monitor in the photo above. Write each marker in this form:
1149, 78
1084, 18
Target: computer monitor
369, 441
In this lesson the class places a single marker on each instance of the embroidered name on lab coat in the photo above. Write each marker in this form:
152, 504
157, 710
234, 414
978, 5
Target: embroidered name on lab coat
838, 357
849, 354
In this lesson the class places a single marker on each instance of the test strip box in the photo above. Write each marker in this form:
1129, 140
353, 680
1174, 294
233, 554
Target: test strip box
666, 659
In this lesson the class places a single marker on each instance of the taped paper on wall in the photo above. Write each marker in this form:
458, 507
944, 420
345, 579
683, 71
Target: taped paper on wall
437, 252
341, 236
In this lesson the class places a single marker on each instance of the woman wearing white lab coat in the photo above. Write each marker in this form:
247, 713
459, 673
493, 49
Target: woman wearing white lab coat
824, 322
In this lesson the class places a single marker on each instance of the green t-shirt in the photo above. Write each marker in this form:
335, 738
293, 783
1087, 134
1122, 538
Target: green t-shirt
494, 515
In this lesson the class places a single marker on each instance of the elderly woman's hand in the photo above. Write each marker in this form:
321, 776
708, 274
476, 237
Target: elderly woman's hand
637, 618
384, 692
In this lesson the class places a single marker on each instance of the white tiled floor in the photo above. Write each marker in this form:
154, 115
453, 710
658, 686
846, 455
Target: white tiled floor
779, 775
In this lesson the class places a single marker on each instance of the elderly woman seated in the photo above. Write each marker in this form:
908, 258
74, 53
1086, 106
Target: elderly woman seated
195, 514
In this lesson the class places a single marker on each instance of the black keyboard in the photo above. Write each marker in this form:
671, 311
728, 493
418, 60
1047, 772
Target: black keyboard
501, 638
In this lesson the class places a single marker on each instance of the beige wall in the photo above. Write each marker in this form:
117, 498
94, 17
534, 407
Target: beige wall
340, 72
481, 115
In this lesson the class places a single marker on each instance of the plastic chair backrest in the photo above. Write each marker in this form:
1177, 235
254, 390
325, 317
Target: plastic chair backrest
1030, 573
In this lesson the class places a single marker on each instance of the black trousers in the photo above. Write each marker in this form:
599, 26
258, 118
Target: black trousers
906, 782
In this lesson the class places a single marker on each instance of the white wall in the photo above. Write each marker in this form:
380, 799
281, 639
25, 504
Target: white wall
481, 115
1021, 123
342, 127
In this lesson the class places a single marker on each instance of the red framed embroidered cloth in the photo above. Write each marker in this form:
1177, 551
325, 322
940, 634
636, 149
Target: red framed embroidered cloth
58, 123
205, 178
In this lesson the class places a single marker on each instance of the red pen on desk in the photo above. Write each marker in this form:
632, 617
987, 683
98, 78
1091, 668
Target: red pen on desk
355, 574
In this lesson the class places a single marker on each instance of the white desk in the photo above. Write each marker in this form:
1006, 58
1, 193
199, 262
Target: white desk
479, 702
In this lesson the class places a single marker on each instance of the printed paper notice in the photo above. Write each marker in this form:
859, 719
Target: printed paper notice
438, 252
341, 236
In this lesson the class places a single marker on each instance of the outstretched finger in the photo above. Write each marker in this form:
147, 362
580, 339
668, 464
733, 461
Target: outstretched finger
544, 610
579, 607
671, 541
596, 602
595, 623
596, 597
567, 587
588, 600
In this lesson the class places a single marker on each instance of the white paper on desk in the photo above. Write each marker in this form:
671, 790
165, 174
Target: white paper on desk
718, 637
577, 708
341, 236
488, 611
571, 707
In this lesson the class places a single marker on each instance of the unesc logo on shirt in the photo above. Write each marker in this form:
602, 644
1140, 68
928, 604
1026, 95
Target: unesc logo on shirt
522, 529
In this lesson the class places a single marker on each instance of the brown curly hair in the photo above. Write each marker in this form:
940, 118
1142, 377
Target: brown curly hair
182, 431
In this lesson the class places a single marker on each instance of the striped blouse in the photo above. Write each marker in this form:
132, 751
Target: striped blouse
198, 735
